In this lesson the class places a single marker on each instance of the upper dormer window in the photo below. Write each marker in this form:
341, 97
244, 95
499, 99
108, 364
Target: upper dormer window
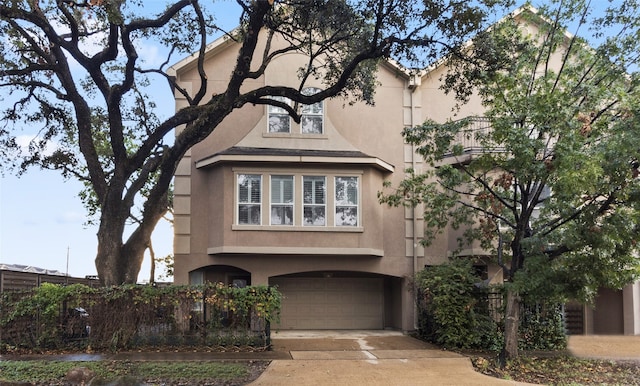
279, 120
311, 116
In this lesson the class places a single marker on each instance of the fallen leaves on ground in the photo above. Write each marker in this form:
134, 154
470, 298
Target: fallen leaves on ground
562, 370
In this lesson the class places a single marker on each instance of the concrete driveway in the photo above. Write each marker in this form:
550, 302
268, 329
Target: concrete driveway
367, 358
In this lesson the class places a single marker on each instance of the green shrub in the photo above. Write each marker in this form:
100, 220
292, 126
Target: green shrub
454, 312
447, 299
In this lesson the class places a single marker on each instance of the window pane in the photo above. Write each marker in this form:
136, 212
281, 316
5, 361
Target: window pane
311, 124
281, 200
249, 214
346, 216
281, 189
314, 197
314, 190
320, 192
281, 215
249, 188
315, 108
243, 193
276, 109
249, 198
279, 124
312, 116
346, 201
314, 215
346, 190
279, 120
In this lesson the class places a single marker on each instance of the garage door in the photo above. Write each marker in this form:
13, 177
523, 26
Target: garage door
330, 303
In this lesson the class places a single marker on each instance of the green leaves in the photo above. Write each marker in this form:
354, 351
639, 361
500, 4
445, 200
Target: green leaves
551, 164
447, 303
549, 182
133, 315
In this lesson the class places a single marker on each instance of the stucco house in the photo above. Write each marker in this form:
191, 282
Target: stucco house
264, 200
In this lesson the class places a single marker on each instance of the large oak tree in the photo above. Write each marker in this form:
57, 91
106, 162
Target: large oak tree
552, 185
71, 70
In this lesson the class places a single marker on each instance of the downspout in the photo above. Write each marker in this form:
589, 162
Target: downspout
414, 82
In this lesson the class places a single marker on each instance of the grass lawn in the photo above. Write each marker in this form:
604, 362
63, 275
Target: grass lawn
168, 373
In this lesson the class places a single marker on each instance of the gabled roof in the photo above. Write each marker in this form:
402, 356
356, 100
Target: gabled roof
255, 154
225, 41
212, 48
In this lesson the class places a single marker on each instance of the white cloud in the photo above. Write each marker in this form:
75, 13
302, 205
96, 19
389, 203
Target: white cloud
70, 217
25, 140
150, 54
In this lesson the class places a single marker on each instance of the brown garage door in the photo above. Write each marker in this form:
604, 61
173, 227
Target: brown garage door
330, 303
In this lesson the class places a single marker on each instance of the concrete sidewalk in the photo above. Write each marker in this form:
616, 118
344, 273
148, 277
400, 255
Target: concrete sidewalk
615, 347
367, 358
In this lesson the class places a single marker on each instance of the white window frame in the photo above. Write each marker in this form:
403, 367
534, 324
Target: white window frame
312, 112
280, 114
313, 204
262, 217
339, 203
281, 202
249, 202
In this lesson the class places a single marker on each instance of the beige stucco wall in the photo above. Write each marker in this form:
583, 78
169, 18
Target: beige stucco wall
387, 242
204, 227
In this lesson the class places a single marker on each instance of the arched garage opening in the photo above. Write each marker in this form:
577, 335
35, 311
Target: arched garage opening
339, 300
226, 274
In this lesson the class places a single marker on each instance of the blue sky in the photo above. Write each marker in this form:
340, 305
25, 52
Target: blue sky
42, 218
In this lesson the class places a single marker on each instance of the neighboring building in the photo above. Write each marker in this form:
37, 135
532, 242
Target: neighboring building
614, 312
264, 200
16, 277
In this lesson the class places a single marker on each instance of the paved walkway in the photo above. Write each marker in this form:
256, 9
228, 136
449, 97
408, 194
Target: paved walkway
616, 347
367, 358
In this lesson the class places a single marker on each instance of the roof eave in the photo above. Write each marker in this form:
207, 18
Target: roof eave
300, 159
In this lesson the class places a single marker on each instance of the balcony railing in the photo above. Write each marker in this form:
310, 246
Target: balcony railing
472, 140
469, 136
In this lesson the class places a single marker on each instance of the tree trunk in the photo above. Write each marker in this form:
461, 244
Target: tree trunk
511, 324
152, 271
108, 259
117, 262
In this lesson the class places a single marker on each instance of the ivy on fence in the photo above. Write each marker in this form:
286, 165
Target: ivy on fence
125, 317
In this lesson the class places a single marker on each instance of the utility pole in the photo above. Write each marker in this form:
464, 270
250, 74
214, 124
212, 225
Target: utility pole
67, 272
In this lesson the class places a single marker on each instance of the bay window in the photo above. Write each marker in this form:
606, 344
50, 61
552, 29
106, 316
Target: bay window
296, 201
